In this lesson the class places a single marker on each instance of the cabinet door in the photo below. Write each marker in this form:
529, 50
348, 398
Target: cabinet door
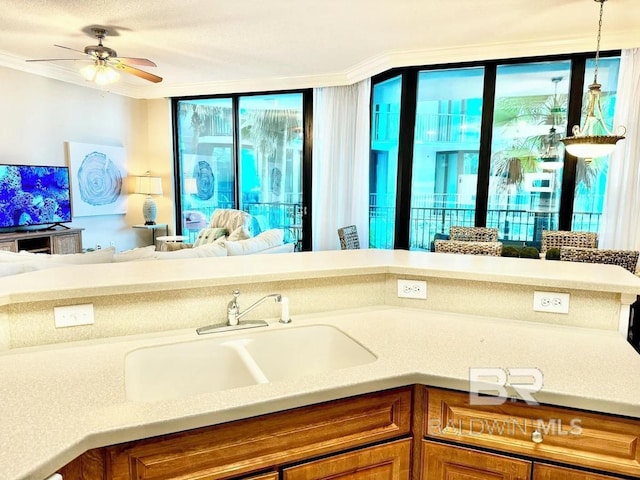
444, 462
255, 444
65, 244
552, 472
585, 439
382, 462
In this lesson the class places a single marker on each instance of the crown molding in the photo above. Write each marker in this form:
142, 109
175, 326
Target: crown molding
365, 69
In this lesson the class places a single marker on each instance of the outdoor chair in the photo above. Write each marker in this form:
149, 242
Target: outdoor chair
627, 259
473, 234
562, 238
349, 238
469, 248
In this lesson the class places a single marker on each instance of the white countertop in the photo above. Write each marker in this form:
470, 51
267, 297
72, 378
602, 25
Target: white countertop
145, 276
58, 401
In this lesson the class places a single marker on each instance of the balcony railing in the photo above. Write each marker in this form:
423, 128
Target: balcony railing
513, 225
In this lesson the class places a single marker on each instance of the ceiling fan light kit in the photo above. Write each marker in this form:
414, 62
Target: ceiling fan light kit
105, 63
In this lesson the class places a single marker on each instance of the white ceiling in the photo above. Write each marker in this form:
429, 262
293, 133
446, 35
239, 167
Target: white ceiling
215, 46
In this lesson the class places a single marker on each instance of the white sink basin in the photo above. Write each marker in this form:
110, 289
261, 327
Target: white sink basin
183, 369
213, 364
304, 350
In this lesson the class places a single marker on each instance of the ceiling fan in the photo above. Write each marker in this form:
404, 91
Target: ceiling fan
105, 61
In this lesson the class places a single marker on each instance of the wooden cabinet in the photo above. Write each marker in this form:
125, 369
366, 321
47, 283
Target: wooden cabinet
414, 432
443, 462
238, 449
389, 461
62, 241
553, 472
575, 437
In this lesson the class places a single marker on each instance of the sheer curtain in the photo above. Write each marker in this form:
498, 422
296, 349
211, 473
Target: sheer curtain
621, 220
340, 191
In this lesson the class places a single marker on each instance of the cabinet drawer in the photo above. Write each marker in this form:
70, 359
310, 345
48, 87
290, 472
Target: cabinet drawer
254, 444
552, 472
383, 462
443, 462
576, 437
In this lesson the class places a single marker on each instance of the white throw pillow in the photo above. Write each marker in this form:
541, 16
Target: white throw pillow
240, 233
209, 235
141, 253
262, 241
208, 250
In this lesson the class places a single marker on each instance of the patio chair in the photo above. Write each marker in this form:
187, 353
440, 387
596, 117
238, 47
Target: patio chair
564, 238
627, 259
473, 234
349, 238
469, 248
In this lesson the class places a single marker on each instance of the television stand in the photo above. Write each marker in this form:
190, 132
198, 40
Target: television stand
67, 240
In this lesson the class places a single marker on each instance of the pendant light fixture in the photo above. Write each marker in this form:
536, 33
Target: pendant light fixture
594, 139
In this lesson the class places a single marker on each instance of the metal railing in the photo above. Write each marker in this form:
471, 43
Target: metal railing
513, 225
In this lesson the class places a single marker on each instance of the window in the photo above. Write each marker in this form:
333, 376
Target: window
383, 170
530, 114
485, 151
445, 153
242, 152
591, 178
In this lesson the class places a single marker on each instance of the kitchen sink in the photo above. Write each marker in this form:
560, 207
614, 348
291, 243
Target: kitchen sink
188, 368
294, 352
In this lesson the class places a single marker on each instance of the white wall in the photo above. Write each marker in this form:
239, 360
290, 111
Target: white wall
39, 115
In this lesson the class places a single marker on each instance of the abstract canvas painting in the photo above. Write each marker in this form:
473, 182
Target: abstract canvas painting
97, 179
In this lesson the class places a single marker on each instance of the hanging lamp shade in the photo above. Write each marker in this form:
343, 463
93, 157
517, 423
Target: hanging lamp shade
593, 139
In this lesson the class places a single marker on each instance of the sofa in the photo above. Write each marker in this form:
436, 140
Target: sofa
267, 242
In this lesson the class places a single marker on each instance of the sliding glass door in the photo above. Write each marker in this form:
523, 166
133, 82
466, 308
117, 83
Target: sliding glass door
243, 152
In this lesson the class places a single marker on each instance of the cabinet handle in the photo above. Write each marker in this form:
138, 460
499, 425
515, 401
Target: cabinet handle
536, 437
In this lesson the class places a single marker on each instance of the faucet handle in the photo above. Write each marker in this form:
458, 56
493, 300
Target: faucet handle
236, 293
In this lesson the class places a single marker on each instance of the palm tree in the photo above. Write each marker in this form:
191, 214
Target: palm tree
270, 131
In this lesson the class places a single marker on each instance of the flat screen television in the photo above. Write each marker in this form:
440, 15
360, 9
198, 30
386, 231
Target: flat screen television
32, 195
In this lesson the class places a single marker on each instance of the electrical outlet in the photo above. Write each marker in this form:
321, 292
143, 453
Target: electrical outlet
412, 289
551, 302
73, 315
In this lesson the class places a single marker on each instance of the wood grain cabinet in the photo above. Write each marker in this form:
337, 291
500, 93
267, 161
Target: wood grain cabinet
62, 241
553, 472
444, 462
268, 442
575, 437
389, 461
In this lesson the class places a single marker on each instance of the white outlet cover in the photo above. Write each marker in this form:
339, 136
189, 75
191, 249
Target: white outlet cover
412, 289
73, 315
551, 302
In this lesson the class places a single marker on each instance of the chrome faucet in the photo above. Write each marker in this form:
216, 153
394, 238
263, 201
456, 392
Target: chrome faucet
234, 315
233, 310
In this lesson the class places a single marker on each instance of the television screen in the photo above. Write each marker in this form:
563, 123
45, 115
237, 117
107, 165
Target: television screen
34, 195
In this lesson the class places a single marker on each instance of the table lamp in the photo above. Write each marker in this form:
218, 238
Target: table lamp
148, 185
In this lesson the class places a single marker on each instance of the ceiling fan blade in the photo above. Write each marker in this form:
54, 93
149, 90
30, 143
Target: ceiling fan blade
54, 59
137, 72
69, 48
135, 61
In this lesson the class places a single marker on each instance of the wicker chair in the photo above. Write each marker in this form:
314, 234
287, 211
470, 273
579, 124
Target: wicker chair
473, 234
469, 248
627, 259
562, 238
349, 238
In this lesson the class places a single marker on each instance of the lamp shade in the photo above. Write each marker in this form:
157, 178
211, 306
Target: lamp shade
148, 185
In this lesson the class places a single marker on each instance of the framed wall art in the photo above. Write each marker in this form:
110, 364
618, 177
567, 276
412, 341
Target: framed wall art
97, 179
